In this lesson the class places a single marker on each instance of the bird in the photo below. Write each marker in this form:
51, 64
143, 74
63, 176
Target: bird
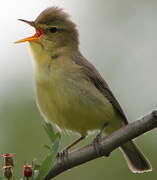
70, 92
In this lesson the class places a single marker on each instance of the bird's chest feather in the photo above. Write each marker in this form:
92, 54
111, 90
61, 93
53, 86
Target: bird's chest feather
66, 96
68, 99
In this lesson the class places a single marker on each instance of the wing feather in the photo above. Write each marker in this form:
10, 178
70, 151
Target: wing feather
100, 84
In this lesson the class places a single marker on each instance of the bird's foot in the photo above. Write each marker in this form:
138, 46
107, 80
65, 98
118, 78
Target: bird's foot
97, 144
62, 156
98, 147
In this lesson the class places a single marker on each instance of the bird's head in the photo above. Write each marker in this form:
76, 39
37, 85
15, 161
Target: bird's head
53, 29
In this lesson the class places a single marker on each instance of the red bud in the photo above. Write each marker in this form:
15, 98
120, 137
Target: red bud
8, 159
28, 171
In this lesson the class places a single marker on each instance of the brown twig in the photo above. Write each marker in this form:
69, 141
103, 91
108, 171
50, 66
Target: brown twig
109, 143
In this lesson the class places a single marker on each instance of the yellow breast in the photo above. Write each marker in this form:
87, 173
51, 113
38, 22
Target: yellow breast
66, 97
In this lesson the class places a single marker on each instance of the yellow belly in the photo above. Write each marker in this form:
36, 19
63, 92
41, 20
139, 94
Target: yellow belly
66, 97
73, 103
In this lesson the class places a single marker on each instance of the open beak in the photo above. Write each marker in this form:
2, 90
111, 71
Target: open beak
36, 36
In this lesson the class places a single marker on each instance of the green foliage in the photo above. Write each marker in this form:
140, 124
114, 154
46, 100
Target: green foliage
2, 178
42, 170
39, 171
50, 132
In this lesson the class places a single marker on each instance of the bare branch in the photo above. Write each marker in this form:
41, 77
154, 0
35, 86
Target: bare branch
109, 143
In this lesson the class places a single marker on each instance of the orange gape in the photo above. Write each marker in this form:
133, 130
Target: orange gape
32, 38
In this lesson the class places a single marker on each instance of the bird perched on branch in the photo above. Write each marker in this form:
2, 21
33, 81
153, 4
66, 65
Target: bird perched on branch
70, 92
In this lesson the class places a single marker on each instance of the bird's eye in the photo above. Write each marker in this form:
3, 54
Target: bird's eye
53, 29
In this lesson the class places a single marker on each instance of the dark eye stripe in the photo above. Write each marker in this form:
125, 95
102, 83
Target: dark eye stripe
53, 29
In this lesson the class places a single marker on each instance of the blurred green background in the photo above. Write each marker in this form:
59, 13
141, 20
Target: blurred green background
119, 38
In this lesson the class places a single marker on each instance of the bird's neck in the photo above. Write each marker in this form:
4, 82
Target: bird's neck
56, 57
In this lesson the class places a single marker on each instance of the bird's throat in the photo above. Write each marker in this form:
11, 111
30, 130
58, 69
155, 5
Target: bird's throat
40, 56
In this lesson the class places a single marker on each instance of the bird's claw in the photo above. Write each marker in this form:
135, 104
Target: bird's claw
97, 144
62, 156
98, 147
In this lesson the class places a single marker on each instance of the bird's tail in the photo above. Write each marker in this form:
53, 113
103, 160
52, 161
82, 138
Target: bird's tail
136, 161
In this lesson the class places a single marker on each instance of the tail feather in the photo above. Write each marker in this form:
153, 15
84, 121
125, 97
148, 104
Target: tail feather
136, 160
